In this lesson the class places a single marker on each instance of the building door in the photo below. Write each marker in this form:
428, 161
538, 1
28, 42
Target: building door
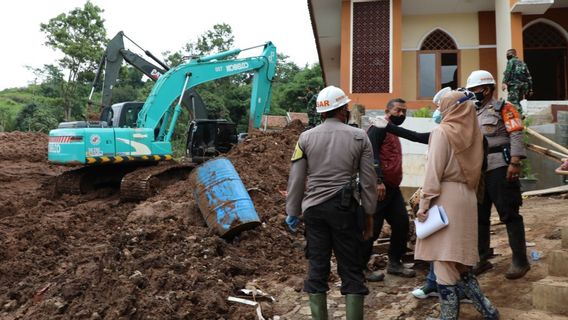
545, 52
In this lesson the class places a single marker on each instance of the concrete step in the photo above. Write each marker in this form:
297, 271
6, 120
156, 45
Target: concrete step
565, 238
558, 263
551, 294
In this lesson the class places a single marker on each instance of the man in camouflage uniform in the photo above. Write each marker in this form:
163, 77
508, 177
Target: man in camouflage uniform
314, 118
517, 80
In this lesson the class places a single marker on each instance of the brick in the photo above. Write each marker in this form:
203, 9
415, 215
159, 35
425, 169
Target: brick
550, 294
565, 238
558, 263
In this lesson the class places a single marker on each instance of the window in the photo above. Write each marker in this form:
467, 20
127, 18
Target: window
438, 64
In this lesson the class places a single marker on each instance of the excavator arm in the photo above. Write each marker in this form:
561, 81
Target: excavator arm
159, 112
111, 63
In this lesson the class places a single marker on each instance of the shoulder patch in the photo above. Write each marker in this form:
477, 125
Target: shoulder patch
298, 153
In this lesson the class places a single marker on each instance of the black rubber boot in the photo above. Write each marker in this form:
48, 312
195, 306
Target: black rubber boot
318, 306
354, 306
478, 299
449, 302
483, 245
520, 264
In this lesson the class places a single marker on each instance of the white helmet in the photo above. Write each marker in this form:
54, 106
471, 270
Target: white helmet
479, 78
331, 98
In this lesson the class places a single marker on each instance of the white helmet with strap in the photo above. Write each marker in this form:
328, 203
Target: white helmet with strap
331, 98
479, 78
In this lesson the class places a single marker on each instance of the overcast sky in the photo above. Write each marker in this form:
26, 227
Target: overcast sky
157, 26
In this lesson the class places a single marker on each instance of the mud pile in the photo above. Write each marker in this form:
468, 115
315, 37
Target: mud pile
94, 257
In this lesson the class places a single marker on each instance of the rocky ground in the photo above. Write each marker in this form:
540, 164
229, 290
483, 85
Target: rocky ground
92, 256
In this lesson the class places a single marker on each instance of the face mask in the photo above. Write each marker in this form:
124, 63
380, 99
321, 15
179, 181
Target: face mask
479, 96
397, 120
437, 116
509, 57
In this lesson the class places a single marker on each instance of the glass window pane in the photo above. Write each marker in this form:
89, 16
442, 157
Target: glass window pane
427, 67
449, 70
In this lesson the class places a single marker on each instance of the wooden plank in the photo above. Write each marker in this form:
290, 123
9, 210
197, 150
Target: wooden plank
560, 189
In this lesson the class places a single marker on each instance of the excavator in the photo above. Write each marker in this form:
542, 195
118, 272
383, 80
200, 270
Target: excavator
131, 144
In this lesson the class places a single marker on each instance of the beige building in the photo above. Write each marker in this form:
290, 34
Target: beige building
377, 50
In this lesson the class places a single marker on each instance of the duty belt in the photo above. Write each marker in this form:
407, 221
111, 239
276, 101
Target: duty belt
498, 149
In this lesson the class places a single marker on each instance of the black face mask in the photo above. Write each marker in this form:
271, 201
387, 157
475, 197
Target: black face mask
479, 96
509, 57
397, 120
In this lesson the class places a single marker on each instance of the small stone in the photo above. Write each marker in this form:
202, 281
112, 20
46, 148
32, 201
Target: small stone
10, 305
341, 305
305, 311
338, 313
381, 295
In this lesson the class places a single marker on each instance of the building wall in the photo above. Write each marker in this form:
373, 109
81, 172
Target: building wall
462, 27
558, 15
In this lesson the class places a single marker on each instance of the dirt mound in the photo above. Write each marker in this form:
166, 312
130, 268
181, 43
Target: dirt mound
29, 146
91, 256
94, 257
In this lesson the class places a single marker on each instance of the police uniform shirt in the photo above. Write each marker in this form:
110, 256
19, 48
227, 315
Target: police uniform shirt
328, 156
493, 128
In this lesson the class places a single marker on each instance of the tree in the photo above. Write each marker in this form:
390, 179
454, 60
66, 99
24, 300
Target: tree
295, 93
80, 35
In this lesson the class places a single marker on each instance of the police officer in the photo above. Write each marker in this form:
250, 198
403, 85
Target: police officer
504, 132
320, 186
517, 79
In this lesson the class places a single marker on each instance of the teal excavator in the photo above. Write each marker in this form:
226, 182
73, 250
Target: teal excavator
131, 144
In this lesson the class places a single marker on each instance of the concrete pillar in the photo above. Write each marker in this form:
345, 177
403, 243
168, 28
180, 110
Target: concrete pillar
503, 39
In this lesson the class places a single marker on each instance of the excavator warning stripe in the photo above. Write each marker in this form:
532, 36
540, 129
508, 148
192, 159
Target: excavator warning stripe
121, 159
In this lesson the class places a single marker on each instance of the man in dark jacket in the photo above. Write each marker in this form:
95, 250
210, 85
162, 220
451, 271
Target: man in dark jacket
387, 154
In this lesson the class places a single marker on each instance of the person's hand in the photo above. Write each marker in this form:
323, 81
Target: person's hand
292, 223
368, 232
422, 215
503, 87
513, 172
381, 191
379, 122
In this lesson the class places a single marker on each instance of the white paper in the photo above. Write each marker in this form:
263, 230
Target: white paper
437, 219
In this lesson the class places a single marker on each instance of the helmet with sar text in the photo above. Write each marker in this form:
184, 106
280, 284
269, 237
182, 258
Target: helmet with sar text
479, 78
331, 98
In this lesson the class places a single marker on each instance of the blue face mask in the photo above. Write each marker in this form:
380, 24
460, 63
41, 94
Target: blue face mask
437, 116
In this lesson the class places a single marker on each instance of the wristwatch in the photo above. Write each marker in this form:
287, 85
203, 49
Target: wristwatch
379, 180
515, 164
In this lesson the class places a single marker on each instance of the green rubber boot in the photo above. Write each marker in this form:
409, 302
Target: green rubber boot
318, 306
354, 304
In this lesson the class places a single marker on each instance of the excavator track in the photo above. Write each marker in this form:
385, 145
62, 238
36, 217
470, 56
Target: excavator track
86, 179
146, 182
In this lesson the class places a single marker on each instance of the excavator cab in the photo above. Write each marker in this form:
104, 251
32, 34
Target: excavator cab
208, 138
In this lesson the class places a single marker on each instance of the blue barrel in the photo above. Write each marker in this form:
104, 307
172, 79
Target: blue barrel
223, 199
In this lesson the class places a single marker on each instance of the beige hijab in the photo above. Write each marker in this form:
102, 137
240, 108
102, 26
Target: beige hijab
459, 122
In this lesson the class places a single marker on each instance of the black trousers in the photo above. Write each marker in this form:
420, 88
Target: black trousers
506, 196
329, 227
392, 209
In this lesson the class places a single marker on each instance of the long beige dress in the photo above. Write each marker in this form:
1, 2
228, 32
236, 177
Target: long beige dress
445, 185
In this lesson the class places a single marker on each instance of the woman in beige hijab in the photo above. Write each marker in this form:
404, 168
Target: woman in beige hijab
453, 169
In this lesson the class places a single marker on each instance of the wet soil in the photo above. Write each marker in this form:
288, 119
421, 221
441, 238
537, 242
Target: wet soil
92, 256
